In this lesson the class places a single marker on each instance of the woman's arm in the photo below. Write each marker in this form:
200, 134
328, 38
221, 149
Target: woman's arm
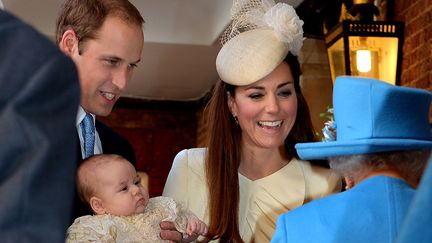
175, 187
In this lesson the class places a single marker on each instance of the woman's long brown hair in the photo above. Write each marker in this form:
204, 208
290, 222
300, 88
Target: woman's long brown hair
223, 156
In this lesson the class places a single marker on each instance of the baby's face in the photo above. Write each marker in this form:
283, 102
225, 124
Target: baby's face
120, 189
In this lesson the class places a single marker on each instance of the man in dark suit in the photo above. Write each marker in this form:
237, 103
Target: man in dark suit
39, 95
105, 40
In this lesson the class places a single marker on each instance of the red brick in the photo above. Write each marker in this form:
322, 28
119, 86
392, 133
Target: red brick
415, 41
410, 28
401, 6
405, 62
420, 69
413, 11
422, 82
428, 15
428, 3
424, 20
403, 78
406, 77
417, 24
420, 53
421, 6
428, 35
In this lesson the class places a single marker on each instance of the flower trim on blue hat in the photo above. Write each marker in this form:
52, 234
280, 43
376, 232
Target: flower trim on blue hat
329, 129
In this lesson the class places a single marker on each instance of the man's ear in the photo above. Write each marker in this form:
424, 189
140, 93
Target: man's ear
97, 206
349, 182
69, 42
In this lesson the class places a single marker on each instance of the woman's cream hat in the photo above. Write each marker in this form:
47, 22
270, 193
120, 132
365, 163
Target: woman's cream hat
260, 36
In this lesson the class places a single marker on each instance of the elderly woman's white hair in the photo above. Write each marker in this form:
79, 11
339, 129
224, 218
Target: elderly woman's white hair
1, 5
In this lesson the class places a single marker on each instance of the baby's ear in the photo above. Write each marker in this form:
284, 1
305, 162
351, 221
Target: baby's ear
97, 206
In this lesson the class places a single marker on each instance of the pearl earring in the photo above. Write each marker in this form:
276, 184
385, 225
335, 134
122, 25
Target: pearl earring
235, 119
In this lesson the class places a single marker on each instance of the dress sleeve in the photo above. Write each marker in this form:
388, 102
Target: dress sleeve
186, 182
321, 182
176, 185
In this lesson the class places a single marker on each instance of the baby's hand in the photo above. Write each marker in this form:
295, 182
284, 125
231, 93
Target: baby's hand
196, 226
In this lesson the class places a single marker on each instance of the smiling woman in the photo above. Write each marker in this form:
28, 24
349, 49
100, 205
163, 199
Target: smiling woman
250, 172
266, 111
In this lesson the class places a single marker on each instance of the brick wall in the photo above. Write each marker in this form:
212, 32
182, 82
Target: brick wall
417, 50
157, 132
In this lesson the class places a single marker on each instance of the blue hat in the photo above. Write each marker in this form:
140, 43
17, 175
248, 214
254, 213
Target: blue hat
373, 116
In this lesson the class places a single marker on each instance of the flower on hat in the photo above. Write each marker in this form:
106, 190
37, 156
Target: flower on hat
265, 14
287, 25
329, 129
258, 39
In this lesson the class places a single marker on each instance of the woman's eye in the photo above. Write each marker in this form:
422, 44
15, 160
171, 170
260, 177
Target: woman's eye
255, 96
124, 188
285, 93
137, 182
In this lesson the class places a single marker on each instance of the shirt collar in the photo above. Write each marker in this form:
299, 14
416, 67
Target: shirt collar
81, 114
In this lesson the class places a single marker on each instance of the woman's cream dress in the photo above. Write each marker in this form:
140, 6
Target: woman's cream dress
261, 201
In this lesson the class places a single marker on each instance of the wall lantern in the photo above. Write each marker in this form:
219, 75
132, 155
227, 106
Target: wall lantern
365, 47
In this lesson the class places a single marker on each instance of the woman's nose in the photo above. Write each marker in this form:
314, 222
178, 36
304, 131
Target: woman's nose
272, 104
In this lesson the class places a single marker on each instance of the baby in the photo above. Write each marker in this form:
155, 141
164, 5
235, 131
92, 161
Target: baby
123, 211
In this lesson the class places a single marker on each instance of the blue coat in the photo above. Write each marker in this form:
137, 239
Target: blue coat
39, 98
372, 211
417, 224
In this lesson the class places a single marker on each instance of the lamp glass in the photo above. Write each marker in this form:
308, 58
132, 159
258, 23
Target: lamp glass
336, 59
382, 59
367, 49
364, 62
364, 57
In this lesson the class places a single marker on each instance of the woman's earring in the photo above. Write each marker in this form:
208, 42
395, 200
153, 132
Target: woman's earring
235, 119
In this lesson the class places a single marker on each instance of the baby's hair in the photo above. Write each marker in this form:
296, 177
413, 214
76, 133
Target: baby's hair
86, 174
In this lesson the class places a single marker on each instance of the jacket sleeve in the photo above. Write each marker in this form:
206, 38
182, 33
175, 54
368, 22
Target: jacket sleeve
39, 97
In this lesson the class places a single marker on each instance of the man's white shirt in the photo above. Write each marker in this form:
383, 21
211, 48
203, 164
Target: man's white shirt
98, 144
